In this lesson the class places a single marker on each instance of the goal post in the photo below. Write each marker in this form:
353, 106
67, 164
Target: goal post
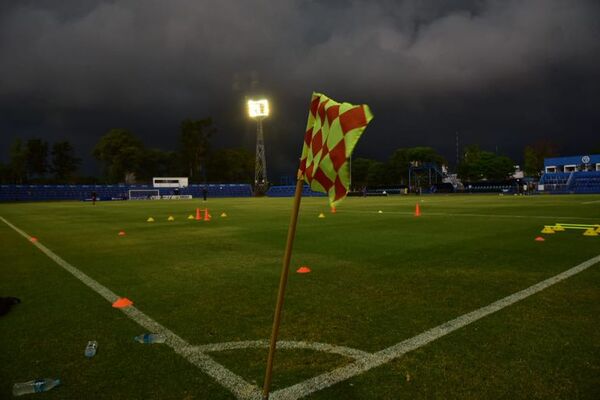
144, 194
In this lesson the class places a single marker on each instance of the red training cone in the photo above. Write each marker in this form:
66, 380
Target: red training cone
121, 233
417, 210
539, 239
33, 239
303, 270
122, 302
207, 216
198, 217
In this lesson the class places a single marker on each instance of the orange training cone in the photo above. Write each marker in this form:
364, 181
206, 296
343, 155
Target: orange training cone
121, 233
198, 217
303, 270
33, 239
540, 239
333, 210
206, 214
417, 210
122, 302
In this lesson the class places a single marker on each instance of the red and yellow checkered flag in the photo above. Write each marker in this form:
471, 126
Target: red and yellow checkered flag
332, 131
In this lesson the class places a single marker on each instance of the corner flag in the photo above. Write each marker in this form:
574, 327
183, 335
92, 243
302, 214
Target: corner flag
332, 131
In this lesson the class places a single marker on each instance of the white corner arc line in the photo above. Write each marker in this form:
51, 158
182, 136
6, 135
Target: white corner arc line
234, 383
381, 357
284, 345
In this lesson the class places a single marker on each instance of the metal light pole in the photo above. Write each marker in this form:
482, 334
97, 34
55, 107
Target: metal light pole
259, 110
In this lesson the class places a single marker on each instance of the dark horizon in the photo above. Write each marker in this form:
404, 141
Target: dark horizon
501, 74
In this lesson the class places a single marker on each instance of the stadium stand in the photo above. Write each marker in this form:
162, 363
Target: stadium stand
490, 187
576, 174
111, 192
289, 191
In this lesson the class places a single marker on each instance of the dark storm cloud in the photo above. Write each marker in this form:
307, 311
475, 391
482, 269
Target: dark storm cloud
425, 66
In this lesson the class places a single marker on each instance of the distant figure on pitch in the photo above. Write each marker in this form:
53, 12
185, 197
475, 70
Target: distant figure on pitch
204, 193
94, 198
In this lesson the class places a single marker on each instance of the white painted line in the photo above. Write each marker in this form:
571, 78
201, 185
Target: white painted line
234, 383
285, 344
591, 202
381, 357
442, 214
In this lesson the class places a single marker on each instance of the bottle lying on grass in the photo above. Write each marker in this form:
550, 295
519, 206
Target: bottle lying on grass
90, 349
37, 386
150, 338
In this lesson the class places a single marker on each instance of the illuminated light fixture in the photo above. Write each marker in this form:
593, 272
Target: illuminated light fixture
258, 108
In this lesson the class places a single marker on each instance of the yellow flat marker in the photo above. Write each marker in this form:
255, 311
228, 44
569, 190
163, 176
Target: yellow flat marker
548, 230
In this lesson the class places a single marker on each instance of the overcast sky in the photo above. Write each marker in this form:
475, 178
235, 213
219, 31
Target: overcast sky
500, 73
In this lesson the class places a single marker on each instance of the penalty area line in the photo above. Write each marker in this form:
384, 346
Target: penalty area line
366, 363
234, 383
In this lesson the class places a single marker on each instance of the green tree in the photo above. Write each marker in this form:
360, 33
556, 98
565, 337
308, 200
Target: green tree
4, 173
231, 165
377, 173
534, 154
195, 146
37, 157
121, 153
64, 162
155, 162
397, 165
499, 168
478, 164
399, 161
18, 162
360, 172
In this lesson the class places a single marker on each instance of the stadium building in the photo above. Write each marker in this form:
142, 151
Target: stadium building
575, 174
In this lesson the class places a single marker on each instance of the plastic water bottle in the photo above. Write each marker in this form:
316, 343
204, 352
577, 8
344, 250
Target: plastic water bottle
150, 338
37, 386
90, 349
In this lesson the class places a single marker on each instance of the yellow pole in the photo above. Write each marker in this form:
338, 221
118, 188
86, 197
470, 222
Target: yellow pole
282, 284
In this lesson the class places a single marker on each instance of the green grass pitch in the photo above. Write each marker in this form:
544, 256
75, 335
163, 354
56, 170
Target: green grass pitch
377, 279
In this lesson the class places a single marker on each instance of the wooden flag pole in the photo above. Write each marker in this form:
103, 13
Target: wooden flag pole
282, 284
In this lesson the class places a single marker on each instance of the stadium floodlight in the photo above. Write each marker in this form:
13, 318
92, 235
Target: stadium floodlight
258, 108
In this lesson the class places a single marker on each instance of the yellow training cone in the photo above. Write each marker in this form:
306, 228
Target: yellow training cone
150, 219
224, 215
558, 228
547, 229
321, 215
190, 216
171, 218
590, 232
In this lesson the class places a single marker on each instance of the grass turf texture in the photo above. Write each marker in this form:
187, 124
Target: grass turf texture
376, 280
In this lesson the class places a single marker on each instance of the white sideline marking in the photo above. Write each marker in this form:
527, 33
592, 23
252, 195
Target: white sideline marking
441, 214
381, 357
364, 361
234, 383
591, 202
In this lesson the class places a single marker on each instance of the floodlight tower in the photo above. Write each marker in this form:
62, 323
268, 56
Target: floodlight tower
259, 110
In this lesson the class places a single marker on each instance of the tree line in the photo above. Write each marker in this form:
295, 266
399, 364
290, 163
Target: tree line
125, 158
475, 164
35, 161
